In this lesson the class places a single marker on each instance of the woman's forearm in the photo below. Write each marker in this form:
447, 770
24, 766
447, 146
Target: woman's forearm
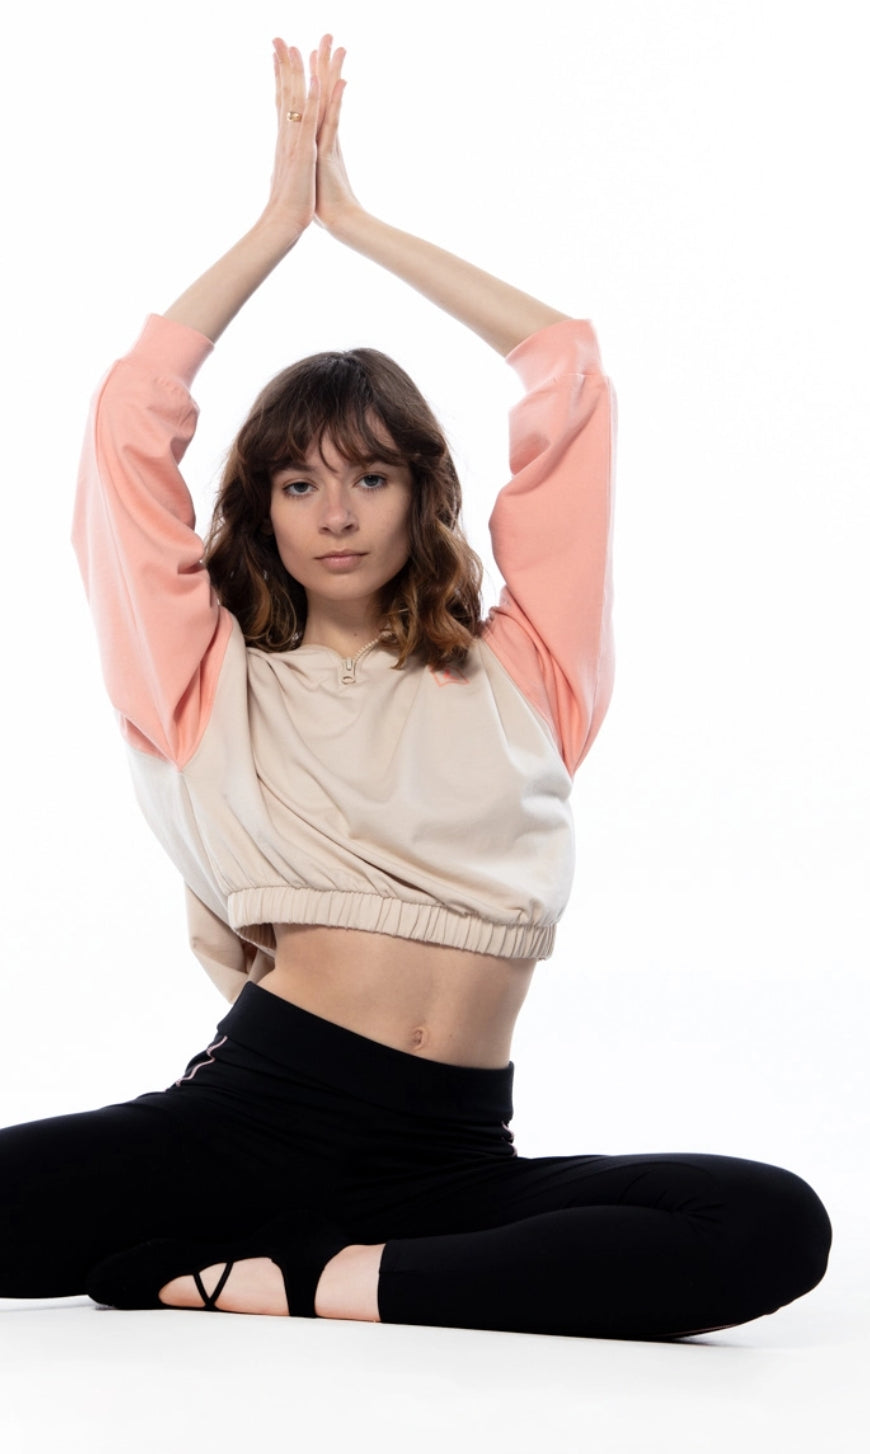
212, 302
309, 177
501, 314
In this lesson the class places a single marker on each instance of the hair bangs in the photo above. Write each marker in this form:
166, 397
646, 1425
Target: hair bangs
329, 398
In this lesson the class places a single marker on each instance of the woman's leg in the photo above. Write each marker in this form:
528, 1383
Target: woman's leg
418, 1156
176, 1164
76, 1187
613, 1247
628, 1247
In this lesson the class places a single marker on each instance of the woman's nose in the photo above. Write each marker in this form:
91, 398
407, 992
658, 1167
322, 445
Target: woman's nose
337, 513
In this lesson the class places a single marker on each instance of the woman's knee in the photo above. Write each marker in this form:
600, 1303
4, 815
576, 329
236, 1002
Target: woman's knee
806, 1232
779, 1231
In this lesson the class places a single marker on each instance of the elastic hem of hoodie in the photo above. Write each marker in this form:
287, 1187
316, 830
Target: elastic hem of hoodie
252, 913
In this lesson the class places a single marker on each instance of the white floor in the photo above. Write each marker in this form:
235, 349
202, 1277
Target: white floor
76, 1377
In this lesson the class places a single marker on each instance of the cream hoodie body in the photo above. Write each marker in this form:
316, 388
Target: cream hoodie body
296, 787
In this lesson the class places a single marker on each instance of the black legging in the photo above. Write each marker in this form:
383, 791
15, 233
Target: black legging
287, 1108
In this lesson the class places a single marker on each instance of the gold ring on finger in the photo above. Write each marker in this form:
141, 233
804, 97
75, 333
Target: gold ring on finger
294, 115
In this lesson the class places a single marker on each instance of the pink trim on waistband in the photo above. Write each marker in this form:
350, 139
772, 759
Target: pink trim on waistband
208, 1061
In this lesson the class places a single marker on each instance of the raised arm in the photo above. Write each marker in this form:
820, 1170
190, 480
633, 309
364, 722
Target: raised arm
501, 314
162, 632
210, 303
551, 629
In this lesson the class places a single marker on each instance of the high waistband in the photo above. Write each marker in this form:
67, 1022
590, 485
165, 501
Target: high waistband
306, 1044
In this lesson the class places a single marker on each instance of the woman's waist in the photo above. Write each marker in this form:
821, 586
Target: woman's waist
427, 1000
280, 1076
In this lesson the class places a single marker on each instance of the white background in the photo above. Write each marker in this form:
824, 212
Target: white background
692, 176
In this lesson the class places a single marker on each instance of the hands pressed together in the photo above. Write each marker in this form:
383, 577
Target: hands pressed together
309, 180
310, 183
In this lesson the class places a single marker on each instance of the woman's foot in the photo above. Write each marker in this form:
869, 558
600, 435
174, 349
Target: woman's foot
255, 1285
281, 1267
348, 1287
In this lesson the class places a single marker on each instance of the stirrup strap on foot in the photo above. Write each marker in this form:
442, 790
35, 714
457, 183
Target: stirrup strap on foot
209, 1300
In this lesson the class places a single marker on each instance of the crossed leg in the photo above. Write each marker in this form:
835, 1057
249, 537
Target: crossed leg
641, 1246
637, 1246
630, 1247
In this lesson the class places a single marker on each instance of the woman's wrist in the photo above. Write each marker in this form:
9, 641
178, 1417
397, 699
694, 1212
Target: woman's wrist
210, 303
347, 225
499, 313
277, 234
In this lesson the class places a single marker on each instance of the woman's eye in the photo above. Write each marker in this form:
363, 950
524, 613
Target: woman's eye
298, 489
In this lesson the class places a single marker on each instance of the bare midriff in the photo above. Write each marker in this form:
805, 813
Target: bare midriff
428, 1000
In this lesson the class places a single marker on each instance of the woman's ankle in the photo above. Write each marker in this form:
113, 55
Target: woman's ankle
348, 1286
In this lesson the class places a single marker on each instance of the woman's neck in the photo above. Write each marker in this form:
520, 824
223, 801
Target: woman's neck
346, 635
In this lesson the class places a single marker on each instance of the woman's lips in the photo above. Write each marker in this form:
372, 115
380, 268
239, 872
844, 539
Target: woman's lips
342, 561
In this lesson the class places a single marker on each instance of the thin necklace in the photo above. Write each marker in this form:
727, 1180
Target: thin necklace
369, 644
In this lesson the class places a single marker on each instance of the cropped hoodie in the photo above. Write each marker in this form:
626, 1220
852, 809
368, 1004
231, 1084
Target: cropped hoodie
299, 787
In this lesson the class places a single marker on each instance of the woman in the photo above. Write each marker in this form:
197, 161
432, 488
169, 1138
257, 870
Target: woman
365, 788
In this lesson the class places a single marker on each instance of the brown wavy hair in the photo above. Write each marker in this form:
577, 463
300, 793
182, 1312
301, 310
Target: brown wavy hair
433, 605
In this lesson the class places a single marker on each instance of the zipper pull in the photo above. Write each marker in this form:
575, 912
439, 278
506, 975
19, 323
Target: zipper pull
348, 663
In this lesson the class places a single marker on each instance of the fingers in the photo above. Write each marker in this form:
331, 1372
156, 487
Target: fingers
327, 67
290, 91
291, 96
326, 137
335, 87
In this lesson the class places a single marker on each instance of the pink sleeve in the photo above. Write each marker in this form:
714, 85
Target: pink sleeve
551, 530
161, 631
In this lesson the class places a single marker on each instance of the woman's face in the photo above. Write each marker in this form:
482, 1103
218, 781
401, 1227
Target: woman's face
341, 529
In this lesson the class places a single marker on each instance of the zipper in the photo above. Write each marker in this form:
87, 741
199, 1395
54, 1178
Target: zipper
349, 663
